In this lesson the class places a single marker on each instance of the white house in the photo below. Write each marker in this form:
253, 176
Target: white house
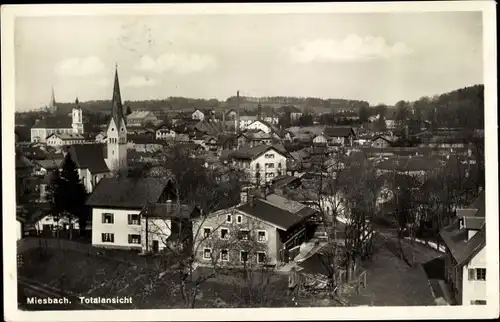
101, 137
60, 139
246, 120
261, 163
164, 133
465, 242
320, 139
134, 214
261, 126
198, 115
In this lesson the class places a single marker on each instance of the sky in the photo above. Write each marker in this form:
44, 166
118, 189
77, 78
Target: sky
376, 57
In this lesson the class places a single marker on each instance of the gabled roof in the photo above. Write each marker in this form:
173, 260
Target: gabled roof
126, 192
277, 211
248, 153
339, 131
54, 122
89, 156
67, 136
139, 114
144, 139
461, 249
50, 164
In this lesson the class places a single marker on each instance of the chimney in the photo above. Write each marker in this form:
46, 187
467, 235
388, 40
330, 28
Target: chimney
259, 112
238, 112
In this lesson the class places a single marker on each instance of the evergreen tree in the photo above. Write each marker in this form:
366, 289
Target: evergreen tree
74, 193
55, 197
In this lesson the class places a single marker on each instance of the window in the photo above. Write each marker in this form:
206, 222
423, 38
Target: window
270, 165
108, 218
261, 257
207, 253
134, 239
269, 156
478, 302
243, 256
206, 232
224, 255
239, 219
261, 236
224, 233
108, 238
133, 219
244, 234
477, 274
229, 219
279, 165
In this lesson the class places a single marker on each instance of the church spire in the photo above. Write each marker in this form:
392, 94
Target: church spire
116, 103
52, 103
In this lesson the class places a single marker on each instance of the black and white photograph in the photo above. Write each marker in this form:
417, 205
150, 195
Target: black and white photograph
284, 161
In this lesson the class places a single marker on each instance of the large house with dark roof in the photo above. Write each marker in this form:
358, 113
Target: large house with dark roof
262, 163
258, 231
465, 241
135, 213
90, 162
58, 124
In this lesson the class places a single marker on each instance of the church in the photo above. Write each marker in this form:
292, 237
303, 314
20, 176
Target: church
57, 124
97, 161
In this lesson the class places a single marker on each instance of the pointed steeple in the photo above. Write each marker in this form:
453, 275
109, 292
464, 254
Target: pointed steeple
52, 103
116, 103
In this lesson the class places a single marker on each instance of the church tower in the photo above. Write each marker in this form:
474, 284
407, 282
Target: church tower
52, 107
77, 119
117, 132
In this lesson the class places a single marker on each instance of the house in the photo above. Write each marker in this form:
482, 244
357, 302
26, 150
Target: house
261, 163
465, 264
201, 115
246, 120
294, 112
89, 160
255, 138
42, 167
382, 142
417, 166
100, 137
51, 124
320, 140
61, 139
343, 136
133, 213
140, 118
263, 126
144, 143
260, 231
164, 132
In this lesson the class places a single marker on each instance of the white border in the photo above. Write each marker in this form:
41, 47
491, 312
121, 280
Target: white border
491, 153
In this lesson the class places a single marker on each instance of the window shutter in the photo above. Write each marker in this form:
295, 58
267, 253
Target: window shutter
112, 238
103, 218
472, 275
103, 237
130, 238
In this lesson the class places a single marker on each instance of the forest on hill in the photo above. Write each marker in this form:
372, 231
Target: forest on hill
463, 107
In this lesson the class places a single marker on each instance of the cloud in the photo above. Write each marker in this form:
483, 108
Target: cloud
80, 66
178, 63
352, 48
140, 81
